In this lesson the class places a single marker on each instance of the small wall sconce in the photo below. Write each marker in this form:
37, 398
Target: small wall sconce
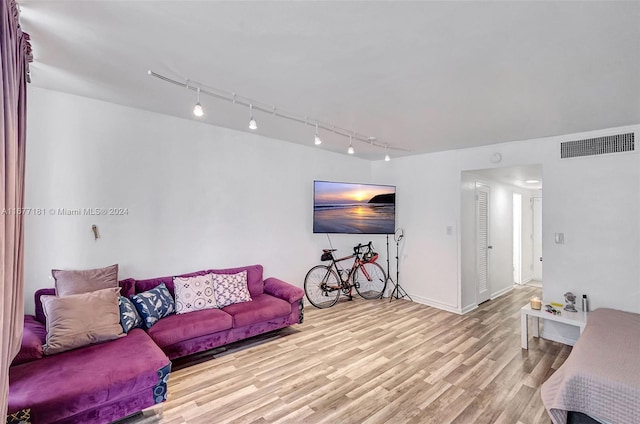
96, 233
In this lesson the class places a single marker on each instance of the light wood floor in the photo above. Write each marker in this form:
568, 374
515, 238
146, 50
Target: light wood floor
374, 361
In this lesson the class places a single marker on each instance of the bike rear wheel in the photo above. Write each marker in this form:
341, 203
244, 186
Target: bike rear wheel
370, 280
322, 286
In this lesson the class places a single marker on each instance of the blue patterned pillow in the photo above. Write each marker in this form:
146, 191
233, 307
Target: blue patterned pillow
129, 317
154, 304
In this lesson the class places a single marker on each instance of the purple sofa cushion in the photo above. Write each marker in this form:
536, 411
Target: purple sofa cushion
34, 335
262, 308
40, 316
126, 290
63, 385
128, 287
177, 328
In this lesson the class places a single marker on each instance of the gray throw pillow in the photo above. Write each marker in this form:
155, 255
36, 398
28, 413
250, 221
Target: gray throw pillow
84, 281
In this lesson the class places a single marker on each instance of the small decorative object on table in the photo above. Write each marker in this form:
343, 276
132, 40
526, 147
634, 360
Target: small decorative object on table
585, 303
536, 303
570, 300
552, 310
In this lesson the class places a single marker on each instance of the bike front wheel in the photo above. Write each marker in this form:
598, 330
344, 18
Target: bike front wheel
322, 286
370, 280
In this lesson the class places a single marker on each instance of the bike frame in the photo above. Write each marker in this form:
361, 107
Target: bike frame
345, 284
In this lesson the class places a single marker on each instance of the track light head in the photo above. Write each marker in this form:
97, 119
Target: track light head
197, 110
387, 158
253, 125
350, 149
317, 139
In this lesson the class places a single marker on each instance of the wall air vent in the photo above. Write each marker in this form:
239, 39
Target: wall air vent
598, 146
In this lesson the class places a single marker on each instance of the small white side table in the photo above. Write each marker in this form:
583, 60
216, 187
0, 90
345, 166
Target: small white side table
579, 319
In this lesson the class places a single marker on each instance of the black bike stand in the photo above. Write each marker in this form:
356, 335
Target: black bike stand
398, 292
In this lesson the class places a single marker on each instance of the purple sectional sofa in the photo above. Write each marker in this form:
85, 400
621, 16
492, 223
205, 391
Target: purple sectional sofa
103, 382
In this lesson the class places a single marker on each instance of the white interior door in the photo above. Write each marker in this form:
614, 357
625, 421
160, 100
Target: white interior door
536, 203
482, 243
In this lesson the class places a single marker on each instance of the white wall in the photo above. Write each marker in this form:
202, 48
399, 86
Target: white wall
198, 196
595, 201
201, 196
427, 202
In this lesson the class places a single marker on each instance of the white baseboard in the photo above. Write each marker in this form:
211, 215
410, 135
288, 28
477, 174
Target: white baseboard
501, 292
469, 308
526, 280
473, 306
436, 304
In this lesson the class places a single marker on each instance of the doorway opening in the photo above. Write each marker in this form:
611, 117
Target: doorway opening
536, 236
497, 238
517, 238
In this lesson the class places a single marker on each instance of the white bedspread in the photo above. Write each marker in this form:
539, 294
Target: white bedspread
601, 376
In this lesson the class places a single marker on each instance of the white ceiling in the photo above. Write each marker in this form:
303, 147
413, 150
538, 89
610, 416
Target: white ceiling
422, 76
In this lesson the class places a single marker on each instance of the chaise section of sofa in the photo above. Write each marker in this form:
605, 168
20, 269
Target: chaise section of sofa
98, 383
94, 384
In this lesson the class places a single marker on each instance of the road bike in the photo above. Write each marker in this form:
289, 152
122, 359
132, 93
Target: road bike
323, 283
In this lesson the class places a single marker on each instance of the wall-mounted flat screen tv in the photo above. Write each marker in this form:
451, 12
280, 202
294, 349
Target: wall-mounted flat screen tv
350, 208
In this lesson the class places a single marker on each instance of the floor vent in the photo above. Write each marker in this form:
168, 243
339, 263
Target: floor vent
598, 146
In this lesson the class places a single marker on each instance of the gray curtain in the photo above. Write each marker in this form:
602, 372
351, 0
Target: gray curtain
15, 55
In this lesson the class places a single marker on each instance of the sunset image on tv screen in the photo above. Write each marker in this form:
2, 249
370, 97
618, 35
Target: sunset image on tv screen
353, 208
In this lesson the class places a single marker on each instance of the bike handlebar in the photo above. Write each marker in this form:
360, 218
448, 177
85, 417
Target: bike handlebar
356, 249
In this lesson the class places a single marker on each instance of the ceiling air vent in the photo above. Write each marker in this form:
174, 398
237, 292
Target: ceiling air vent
597, 146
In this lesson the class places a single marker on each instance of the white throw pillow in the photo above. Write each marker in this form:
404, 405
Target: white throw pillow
231, 288
194, 293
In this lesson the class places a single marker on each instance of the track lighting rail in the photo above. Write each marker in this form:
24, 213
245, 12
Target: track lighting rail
274, 111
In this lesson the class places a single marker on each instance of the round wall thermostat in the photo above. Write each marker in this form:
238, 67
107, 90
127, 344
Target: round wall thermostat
496, 158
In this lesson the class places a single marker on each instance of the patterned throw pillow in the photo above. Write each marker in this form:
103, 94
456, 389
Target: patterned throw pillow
129, 317
194, 293
231, 288
154, 304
